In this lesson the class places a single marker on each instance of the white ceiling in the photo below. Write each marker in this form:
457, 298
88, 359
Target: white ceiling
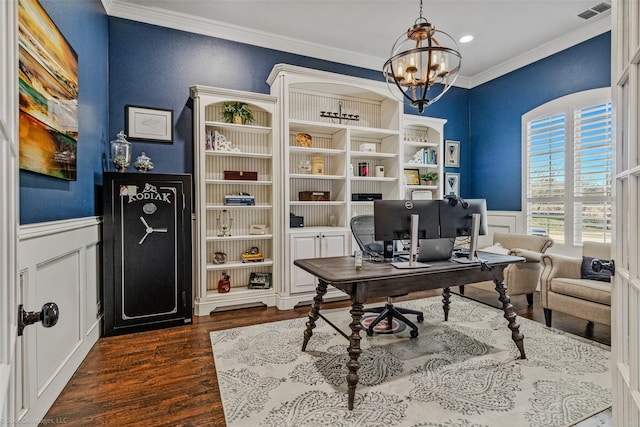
508, 33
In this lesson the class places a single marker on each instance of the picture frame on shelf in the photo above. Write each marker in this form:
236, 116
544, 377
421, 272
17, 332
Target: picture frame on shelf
452, 154
452, 184
412, 176
259, 280
148, 124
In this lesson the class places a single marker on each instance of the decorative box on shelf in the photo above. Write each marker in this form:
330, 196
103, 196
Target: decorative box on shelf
241, 175
364, 197
314, 196
368, 147
296, 221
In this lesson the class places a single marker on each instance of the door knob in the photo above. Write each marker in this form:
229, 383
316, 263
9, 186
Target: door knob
48, 316
597, 266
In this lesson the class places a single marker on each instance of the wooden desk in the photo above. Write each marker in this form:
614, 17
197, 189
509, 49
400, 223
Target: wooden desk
382, 279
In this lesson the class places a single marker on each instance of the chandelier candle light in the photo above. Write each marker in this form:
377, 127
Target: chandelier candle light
424, 64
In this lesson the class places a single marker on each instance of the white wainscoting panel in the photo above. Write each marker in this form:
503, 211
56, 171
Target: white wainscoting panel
501, 222
58, 262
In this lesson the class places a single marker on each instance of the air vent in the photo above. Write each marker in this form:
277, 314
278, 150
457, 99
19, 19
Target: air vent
587, 14
602, 7
595, 10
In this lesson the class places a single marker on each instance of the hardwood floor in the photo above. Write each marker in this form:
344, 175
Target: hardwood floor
168, 378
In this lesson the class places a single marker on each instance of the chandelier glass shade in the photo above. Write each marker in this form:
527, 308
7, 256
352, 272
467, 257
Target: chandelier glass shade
424, 63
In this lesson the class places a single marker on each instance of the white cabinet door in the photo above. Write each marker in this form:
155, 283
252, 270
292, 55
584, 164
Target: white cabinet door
333, 244
303, 246
313, 245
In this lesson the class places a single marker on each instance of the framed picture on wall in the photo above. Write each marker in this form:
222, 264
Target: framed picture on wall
452, 154
48, 95
148, 124
452, 184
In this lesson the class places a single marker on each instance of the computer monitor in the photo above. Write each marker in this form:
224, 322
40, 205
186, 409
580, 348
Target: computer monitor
460, 217
455, 218
405, 220
392, 219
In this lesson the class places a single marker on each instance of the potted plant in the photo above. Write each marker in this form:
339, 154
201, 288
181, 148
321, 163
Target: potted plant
429, 178
238, 113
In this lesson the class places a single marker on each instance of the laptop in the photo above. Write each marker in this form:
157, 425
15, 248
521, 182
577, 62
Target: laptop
435, 249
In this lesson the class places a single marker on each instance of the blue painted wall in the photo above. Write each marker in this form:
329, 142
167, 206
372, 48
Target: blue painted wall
454, 107
125, 62
154, 67
496, 108
42, 198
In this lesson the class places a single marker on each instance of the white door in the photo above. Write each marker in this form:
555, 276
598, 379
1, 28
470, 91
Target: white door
8, 208
625, 328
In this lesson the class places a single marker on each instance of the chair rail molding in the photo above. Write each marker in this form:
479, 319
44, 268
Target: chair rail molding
502, 222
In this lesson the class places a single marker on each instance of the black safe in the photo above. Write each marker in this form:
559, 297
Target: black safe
146, 234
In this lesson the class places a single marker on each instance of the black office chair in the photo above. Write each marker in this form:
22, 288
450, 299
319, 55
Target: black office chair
363, 231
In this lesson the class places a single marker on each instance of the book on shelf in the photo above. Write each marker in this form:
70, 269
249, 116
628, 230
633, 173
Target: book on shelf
239, 200
430, 157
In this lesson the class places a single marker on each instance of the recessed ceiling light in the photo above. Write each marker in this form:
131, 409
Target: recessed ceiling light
466, 39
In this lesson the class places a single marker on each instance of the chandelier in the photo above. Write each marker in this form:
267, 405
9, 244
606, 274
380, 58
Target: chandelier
424, 64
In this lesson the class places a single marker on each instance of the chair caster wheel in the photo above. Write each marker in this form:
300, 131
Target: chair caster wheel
414, 334
420, 319
369, 332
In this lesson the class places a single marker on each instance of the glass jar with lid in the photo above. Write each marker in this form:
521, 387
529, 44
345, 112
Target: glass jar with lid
143, 163
121, 152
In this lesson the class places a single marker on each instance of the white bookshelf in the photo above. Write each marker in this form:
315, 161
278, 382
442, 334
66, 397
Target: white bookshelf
253, 149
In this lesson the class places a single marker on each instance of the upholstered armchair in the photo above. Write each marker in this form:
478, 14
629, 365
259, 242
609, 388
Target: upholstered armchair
564, 285
520, 278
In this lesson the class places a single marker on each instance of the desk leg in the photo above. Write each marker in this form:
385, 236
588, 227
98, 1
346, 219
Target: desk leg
321, 290
357, 310
509, 313
446, 293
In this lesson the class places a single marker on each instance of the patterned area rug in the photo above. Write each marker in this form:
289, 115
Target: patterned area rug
460, 373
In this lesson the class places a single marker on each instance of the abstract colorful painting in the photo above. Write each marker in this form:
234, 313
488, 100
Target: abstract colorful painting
48, 95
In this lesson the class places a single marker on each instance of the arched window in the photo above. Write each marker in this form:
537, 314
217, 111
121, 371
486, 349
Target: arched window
567, 165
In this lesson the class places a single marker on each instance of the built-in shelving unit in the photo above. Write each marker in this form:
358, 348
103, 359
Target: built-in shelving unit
310, 144
251, 149
423, 134
367, 133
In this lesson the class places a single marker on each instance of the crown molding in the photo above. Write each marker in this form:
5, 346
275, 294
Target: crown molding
226, 31
222, 30
543, 51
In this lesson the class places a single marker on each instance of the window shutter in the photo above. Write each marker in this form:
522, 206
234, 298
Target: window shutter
546, 156
593, 165
592, 151
546, 141
567, 154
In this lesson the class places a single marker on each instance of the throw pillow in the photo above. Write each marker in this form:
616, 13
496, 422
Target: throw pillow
587, 273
